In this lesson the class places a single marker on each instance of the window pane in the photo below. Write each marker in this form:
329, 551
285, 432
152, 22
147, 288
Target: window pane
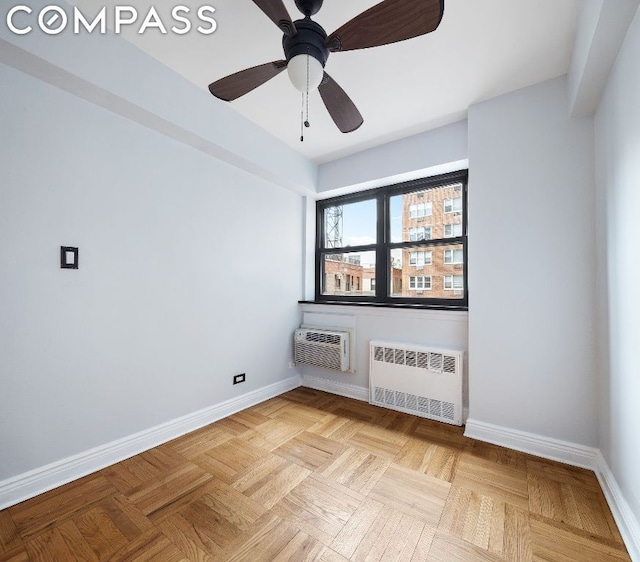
427, 214
349, 274
353, 224
433, 272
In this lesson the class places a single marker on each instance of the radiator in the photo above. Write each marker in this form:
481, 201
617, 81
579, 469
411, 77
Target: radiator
418, 380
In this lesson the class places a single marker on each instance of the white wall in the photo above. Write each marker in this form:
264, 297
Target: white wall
190, 270
618, 189
430, 153
531, 265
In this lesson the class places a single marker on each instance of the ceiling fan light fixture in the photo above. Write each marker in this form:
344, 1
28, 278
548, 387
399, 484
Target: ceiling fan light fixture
300, 67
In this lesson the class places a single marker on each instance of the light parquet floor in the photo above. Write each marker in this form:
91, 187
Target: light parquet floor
313, 476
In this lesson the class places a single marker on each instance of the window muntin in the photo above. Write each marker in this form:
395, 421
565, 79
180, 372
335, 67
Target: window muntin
418, 253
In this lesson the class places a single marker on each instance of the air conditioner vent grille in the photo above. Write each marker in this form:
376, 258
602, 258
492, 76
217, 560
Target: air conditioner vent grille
321, 337
322, 348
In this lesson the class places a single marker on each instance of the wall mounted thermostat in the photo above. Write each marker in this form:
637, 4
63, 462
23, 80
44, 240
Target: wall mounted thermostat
68, 257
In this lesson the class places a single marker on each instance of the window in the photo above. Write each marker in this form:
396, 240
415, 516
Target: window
375, 243
453, 205
453, 256
420, 282
419, 210
453, 282
419, 259
420, 233
452, 230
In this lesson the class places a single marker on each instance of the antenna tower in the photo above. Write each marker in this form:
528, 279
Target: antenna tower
333, 218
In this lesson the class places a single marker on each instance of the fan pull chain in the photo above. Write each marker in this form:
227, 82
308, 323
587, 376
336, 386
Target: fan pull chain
302, 119
305, 98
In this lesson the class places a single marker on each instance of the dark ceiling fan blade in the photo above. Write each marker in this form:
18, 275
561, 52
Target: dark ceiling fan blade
278, 14
235, 85
339, 105
387, 22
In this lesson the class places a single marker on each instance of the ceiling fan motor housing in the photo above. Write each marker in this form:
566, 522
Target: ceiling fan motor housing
309, 7
309, 40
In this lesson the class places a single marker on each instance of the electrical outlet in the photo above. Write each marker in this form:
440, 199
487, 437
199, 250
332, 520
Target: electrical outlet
237, 379
291, 365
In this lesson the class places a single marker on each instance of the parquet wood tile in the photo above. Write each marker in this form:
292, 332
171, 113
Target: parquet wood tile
318, 506
9, 537
446, 548
383, 443
427, 458
488, 523
556, 542
491, 479
269, 480
153, 546
299, 415
356, 469
418, 495
314, 452
336, 428
160, 497
194, 444
60, 543
270, 435
145, 467
226, 461
240, 423
19, 554
35, 515
313, 476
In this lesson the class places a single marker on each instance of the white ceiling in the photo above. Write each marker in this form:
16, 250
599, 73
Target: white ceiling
482, 48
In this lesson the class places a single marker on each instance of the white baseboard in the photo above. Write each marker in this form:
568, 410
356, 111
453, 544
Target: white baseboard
30, 484
538, 445
625, 519
343, 389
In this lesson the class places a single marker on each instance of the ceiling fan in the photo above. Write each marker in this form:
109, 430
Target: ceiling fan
307, 47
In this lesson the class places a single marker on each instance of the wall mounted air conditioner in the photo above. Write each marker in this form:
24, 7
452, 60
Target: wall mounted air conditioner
419, 380
322, 348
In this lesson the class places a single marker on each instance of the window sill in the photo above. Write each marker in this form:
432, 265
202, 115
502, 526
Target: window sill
389, 305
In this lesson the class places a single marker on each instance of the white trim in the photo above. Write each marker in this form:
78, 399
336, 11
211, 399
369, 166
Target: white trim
29, 484
340, 388
538, 445
627, 522
457, 316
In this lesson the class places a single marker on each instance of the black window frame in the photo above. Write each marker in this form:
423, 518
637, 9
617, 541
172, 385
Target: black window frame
383, 246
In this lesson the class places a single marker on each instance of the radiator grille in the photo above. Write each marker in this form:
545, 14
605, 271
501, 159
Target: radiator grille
414, 404
421, 381
435, 362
